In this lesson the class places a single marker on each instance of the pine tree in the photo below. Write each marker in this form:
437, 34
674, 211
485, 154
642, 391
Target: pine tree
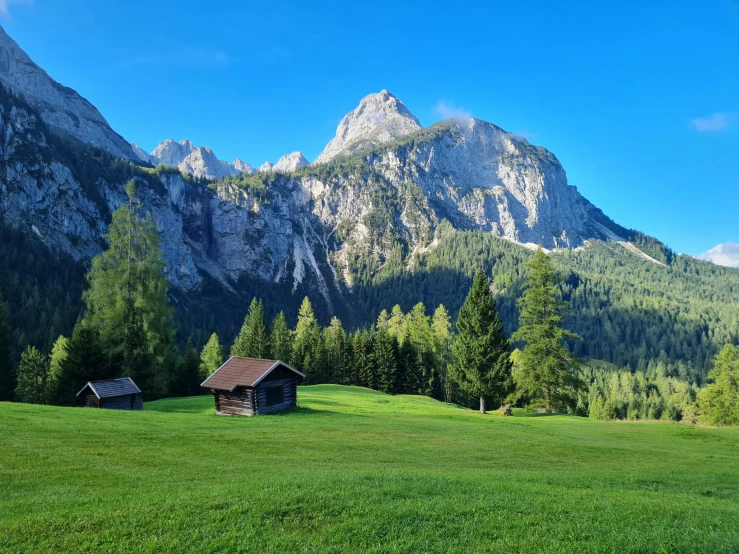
482, 351
718, 403
546, 366
211, 358
127, 298
7, 371
364, 359
334, 340
308, 353
281, 339
386, 361
33, 370
56, 358
408, 378
253, 339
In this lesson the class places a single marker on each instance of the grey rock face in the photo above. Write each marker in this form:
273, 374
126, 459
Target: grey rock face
58, 105
379, 118
242, 166
303, 230
199, 161
266, 167
290, 162
143, 155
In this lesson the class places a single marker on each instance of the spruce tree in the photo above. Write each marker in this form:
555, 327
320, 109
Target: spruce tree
334, 340
546, 366
482, 351
718, 403
33, 371
127, 298
408, 378
386, 361
365, 359
253, 339
308, 353
7, 370
281, 339
211, 358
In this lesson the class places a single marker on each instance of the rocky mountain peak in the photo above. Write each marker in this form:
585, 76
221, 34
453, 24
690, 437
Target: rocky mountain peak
242, 166
59, 106
173, 153
266, 167
379, 118
291, 162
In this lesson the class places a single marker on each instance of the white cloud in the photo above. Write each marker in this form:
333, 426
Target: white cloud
450, 111
726, 254
5, 5
715, 122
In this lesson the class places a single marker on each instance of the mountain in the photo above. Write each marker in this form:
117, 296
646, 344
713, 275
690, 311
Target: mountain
290, 162
266, 167
60, 107
198, 161
726, 254
378, 119
396, 213
242, 166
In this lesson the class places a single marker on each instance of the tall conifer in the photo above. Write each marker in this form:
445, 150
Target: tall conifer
482, 351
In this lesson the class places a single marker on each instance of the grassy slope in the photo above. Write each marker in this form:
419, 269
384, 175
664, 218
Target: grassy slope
355, 470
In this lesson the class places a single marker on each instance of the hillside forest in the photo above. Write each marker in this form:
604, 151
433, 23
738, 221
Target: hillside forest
507, 343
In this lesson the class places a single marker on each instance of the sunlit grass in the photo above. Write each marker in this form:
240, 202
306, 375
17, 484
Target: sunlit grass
356, 470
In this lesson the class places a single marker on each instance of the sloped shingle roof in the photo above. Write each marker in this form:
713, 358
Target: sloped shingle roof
112, 387
243, 372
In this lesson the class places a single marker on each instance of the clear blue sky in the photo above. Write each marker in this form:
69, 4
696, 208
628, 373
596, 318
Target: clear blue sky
638, 100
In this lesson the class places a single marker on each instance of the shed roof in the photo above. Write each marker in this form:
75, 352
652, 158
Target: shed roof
112, 387
243, 372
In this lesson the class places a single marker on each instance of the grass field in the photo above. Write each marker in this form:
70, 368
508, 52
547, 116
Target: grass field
353, 470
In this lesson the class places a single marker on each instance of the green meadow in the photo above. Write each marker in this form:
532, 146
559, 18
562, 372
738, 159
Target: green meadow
354, 470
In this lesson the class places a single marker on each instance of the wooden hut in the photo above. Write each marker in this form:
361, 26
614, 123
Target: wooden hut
250, 386
113, 394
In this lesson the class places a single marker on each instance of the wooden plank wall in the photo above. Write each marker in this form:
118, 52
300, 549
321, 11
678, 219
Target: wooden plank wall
290, 395
118, 402
238, 402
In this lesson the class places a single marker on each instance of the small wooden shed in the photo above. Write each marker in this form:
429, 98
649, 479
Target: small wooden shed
251, 386
112, 394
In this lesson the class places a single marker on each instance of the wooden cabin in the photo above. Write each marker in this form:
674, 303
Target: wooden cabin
251, 386
112, 394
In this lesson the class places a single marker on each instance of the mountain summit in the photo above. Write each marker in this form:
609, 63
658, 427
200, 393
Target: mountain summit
379, 118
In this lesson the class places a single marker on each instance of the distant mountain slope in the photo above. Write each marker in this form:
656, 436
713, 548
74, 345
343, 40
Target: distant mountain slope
59, 106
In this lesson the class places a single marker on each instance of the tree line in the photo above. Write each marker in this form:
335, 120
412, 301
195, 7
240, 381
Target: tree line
128, 330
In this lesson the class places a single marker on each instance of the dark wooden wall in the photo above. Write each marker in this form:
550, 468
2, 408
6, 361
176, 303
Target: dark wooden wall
126, 402
290, 395
238, 402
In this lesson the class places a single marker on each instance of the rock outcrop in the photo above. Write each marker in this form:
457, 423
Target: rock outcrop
290, 162
266, 167
59, 106
378, 119
242, 166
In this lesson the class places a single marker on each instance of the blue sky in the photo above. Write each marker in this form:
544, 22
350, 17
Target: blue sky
638, 100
